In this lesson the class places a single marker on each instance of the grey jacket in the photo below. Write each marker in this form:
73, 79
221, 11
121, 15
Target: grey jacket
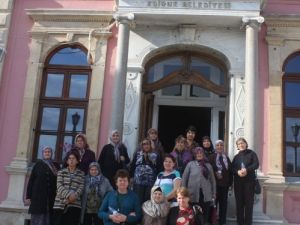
193, 180
103, 188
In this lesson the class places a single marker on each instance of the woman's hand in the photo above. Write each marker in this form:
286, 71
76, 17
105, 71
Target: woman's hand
242, 172
72, 197
118, 218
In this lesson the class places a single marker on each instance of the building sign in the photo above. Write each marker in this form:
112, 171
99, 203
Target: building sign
189, 4
248, 5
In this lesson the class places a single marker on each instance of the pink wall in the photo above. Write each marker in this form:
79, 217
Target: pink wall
263, 109
15, 69
291, 206
291, 199
282, 7
108, 84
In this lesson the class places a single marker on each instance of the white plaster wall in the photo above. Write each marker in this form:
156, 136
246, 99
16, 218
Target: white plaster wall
226, 43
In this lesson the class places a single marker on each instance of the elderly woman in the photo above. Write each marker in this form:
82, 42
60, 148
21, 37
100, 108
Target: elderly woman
244, 165
114, 156
185, 213
155, 211
41, 189
70, 184
96, 187
199, 179
223, 173
181, 154
144, 169
121, 206
86, 156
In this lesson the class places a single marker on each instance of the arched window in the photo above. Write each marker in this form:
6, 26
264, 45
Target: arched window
291, 115
63, 100
204, 73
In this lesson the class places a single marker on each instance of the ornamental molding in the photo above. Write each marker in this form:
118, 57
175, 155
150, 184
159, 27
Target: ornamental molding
58, 15
282, 22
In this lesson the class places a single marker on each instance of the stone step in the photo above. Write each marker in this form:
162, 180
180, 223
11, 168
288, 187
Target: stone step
257, 221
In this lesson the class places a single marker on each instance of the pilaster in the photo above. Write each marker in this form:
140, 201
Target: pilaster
132, 108
6, 7
99, 43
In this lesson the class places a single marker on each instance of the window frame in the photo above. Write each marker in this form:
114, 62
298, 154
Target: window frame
64, 102
289, 112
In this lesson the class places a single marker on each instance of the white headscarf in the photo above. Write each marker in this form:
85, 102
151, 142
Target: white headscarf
154, 209
115, 145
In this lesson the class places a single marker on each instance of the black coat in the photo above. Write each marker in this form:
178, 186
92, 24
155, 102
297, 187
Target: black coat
87, 158
41, 188
227, 176
109, 165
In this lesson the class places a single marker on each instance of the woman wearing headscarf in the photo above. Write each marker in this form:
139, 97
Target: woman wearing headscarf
143, 169
156, 145
155, 210
95, 188
198, 177
41, 188
86, 155
208, 146
114, 156
223, 173
70, 184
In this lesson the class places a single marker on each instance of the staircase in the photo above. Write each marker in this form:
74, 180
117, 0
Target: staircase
257, 221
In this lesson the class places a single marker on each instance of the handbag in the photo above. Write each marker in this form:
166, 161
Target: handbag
257, 187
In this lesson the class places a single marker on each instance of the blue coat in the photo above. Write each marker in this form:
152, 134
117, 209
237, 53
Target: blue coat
130, 203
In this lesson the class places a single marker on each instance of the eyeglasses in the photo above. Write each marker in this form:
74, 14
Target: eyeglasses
145, 143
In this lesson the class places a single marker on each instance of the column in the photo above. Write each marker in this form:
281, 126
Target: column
251, 78
119, 87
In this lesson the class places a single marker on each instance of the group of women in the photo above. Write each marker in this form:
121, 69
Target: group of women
155, 187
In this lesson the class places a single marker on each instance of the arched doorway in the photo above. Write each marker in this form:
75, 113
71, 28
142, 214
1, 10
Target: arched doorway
181, 89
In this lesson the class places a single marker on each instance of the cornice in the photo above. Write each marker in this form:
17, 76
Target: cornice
62, 15
282, 21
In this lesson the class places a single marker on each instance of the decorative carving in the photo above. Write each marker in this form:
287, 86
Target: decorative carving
69, 37
184, 77
132, 76
253, 21
185, 74
130, 99
127, 128
240, 104
239, 132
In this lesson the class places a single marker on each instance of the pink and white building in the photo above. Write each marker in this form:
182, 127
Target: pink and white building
230, 67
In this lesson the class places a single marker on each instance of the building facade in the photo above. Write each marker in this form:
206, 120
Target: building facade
229, 67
